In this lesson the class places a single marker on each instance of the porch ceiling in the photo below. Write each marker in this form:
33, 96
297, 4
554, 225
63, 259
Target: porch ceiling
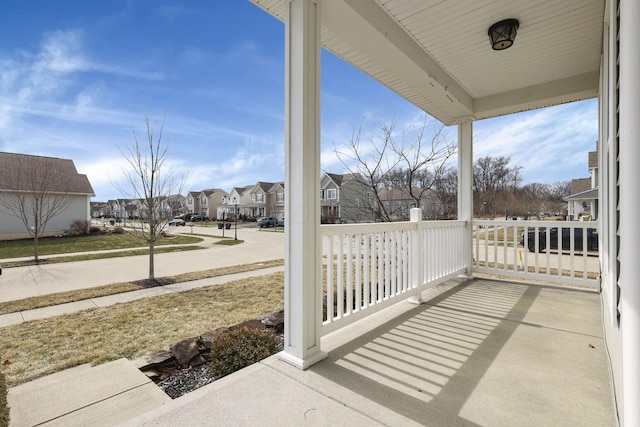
437, 55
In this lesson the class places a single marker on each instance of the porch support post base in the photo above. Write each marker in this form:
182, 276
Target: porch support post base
417, 300
304, 363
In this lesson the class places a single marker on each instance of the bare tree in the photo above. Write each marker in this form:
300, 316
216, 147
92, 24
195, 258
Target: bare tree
36, 191
446, 187
494, 181
557, 192
536, 196
151, 181
397, 170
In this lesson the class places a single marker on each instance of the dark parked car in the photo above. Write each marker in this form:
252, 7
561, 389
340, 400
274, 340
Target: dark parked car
267, 221
578, 234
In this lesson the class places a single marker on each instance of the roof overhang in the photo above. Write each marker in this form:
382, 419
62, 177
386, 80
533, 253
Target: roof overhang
437, 54
591, 194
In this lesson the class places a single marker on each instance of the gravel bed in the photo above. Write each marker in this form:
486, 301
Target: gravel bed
184, 381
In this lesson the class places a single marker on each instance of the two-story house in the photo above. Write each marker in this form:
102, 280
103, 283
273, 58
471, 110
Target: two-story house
193, 202
345, 198
583, 201
233, 204
210, 200
276, 196
260, 204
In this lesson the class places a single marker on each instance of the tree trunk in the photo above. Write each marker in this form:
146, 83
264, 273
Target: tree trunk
35, 249
151, 261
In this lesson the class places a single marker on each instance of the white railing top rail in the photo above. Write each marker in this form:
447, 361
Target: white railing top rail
329, 229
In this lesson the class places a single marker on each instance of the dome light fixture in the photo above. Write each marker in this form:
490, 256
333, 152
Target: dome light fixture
503, 33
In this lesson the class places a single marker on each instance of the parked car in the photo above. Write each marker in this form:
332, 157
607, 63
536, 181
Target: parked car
267, 221
578, 234
280, 222
195, 218
177, 221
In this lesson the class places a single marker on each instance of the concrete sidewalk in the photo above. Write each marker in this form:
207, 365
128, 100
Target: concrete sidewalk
85, 396
72, 307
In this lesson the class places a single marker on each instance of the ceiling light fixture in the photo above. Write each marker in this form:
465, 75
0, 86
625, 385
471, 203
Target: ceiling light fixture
503, 33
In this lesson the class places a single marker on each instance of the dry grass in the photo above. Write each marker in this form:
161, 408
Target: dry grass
117, 288
133, 329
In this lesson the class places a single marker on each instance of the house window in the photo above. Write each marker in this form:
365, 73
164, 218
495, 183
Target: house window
259, 198
279, 197
204, 201
331, 194
321, 194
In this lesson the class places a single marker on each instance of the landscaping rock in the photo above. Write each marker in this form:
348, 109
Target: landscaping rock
186, 366
161, 357
249, 324
273, 320
207, 338
185, 350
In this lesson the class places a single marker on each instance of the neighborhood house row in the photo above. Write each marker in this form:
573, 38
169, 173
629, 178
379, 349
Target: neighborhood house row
344, 198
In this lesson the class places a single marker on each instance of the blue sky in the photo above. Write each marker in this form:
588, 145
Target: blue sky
76, 77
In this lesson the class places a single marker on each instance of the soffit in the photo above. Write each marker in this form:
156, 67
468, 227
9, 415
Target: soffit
436, 53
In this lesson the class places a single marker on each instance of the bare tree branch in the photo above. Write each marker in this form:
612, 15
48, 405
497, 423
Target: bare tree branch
35, 193
150, 182
395, 171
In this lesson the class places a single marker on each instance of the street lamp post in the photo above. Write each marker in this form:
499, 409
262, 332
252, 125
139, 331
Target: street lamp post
236, 221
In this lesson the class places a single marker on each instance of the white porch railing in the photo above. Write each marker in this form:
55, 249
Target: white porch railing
369, 266
533, 250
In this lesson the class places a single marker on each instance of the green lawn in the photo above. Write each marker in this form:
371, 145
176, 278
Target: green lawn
94, 242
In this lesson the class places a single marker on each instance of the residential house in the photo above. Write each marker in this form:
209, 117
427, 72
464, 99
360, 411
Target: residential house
440, 57
582, 203
65, 181
234, 203
276, 196
173, 205
344, 198
99, 209
214, 197
397, 203
193, 202
260, 204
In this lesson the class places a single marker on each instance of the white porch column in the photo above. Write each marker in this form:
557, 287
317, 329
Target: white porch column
465, 188
417, 257
629, 203
302, 185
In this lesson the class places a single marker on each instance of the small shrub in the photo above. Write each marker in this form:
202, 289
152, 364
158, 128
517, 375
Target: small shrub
240, 348
117, 230
79, 227
4, 408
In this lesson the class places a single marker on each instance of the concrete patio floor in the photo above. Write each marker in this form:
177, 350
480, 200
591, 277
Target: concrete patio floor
478, 353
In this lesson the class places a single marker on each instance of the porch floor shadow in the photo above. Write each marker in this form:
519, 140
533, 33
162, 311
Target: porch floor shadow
479, 353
